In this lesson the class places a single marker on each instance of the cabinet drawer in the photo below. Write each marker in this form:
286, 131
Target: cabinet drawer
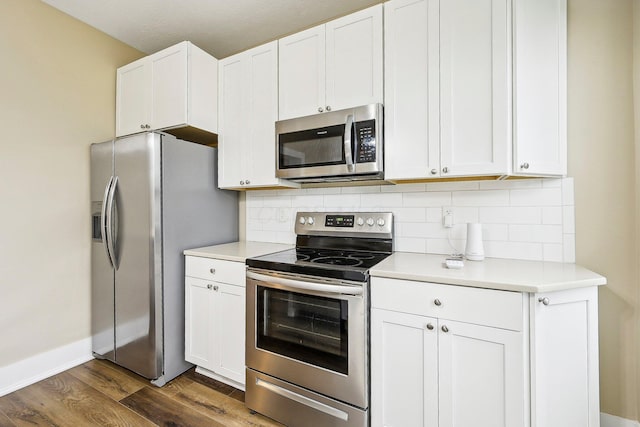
489, 307
215, 269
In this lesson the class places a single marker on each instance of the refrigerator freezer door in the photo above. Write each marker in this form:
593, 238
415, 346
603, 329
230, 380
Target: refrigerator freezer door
102, 274
137, 242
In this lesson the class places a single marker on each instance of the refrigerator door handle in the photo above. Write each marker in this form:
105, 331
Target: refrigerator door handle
110, 224
103, 220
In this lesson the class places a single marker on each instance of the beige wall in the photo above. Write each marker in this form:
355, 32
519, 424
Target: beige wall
601, 159
57, 90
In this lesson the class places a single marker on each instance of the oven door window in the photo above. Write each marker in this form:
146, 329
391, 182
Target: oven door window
307, 328
316, 147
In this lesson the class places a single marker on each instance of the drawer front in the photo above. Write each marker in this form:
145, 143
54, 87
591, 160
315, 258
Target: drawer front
216, 270
489, 307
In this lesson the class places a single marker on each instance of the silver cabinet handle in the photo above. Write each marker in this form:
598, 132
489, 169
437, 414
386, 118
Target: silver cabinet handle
445, 170
437, 302
215, 288
430, 326
434, 171
524, 166
328, 108
320, 109
544, 301
212, 270
209, 287
445, 329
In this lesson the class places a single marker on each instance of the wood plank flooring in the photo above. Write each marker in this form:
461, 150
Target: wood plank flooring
99, 393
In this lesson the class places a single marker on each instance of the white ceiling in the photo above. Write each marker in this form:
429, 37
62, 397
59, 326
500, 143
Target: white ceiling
221, 27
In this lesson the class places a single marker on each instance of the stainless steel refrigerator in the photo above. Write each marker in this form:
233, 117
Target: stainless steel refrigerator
152, 197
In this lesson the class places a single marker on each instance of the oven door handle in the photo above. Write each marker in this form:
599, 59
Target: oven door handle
305, 285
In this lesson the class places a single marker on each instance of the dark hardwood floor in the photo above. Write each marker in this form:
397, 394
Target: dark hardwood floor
99, 393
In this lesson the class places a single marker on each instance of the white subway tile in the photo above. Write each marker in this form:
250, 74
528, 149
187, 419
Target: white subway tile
568, 219
254, 201
264, 193
291, 192
513, 250
552, 215
509, 215
361, 189
452, 186
426, 199
381, 200
277, 201
568, 194
286, 237
535, 233
278, 226
463, 215
480, 198
510, 184
262, 236
410, 244
569, 247
409, 215
552, 252
537, 197
445, 247
433, 214
323, 190
307, 201
342, 201
552, 182
254, 224
496, 232
403, 188
421, 229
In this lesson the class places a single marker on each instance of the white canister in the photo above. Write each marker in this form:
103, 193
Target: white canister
474, 250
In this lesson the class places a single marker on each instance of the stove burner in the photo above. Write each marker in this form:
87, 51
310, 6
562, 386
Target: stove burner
337, 260
361, 255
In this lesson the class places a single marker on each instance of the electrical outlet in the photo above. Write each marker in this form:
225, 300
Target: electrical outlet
447, 217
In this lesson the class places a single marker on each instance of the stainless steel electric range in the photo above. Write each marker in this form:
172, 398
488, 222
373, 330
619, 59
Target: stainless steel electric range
308, 321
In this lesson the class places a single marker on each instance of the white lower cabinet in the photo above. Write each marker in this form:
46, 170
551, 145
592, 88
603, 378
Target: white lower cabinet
215, 318
453, 356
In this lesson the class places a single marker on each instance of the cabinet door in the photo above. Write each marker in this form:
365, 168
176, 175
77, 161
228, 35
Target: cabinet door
169, 87
474, 87
302, 73
232, 124
133, 97
229, 336
540, 87
412, 140
354, 59
481, 376
404, 369
198, 322
564, 359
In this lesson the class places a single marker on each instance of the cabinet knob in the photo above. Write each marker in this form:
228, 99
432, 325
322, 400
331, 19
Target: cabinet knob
524, 166
445, 329
434, 171
141, 126
328, 108
437, 302
430, 326
209, 287
148, 127
212, 270
445, 170
247, 182
544, 301
242, 182
320, 109
215, 288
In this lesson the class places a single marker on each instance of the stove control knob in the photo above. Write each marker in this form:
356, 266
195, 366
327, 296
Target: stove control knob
310, 220
302, 220
381, 222
370, 222
360, 222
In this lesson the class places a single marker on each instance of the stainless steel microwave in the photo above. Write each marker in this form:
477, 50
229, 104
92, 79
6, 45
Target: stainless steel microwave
344, 145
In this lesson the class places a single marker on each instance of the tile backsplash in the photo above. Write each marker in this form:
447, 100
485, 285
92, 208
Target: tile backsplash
530, 219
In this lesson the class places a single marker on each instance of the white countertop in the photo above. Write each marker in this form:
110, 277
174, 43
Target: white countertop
492, 273
237, 251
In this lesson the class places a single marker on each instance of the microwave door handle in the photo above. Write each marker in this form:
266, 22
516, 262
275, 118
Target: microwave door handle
348, 143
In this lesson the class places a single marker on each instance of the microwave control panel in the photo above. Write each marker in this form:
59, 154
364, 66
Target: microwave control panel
366, 137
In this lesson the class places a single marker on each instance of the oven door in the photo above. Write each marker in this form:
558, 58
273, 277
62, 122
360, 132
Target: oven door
310, 332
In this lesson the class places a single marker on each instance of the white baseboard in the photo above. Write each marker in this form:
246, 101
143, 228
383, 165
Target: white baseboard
36, 368
607, 420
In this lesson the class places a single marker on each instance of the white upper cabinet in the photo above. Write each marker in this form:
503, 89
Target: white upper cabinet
175, 87
332, 66
248, 112
446, 88
540, 87
475, 88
